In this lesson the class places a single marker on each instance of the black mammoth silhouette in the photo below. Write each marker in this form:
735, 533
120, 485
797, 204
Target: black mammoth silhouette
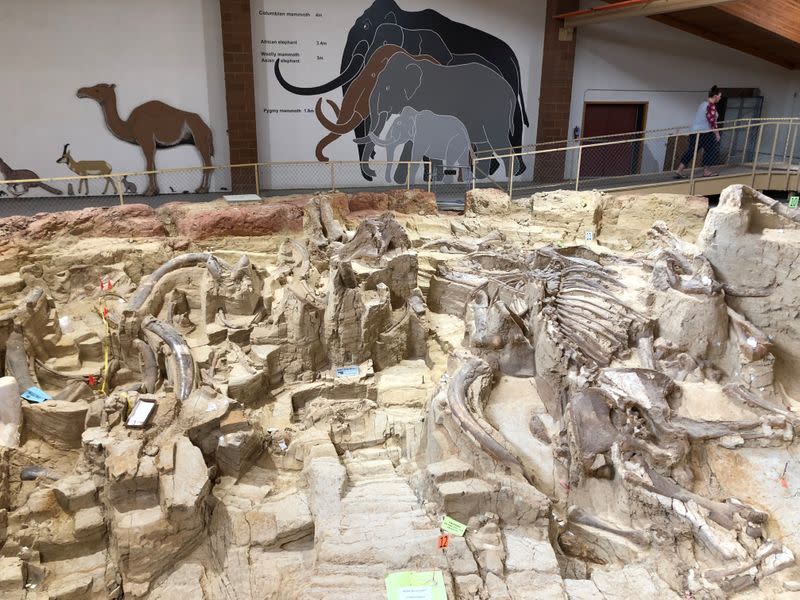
418, 32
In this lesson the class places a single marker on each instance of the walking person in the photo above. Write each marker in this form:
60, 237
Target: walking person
704, 125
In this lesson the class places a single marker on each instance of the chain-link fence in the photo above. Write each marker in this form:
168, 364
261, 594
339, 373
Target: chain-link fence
765, 148
199, 184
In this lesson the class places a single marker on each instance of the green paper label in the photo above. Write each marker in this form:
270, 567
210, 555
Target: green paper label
411, 585
794, 201
452, 526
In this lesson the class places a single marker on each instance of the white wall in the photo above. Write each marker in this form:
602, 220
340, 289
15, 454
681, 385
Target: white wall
294, 136
641, 60
152, 50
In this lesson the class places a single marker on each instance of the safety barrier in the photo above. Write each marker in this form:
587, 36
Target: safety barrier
760, 152
265, 179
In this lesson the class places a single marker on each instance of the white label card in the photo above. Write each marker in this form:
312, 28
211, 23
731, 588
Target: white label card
415, 593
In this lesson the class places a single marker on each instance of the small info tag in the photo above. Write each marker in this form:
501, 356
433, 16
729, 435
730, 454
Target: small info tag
411, 585
794, 201
350, 371
35, 395
452, 526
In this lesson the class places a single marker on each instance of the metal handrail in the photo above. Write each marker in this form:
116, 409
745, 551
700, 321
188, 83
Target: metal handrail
678, 130
119, 175
782, 155
625, 141
754, 128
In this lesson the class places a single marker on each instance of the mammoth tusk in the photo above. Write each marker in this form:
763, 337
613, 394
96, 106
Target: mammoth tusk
323, 143
346, 76
148, 364
181, 355
474, 425
334, 107
148, 283
340, 128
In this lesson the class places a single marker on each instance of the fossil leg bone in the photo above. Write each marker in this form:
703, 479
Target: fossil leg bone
577, 515
740, 393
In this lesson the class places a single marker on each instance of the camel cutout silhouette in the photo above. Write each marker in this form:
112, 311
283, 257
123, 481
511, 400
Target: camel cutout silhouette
154, 125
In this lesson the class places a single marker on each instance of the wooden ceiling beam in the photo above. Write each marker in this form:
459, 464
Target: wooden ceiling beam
781, 17
627, 9
755, 49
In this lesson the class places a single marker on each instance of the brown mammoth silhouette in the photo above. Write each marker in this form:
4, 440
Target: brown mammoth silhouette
154, 125
355, 103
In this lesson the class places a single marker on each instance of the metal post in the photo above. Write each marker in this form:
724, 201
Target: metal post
755, 158
674, 151
258, 182
333, 177
746, 141
430, 175
120, 190
788, 135
791, 158
511, 179
772, 156
473, 159
578, 172
733, 131
694, 161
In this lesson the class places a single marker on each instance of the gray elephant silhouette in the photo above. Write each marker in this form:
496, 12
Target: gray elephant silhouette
475, 95
442, 138
460, 40
426, 41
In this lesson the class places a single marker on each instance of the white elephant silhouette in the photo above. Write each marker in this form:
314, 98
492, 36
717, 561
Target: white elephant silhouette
442, 138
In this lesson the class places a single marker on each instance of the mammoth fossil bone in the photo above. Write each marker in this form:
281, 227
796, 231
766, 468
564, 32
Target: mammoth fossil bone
144, 290
181, 355
466, 409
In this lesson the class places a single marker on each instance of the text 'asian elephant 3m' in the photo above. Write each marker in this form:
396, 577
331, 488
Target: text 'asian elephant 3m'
475, 95
420, 32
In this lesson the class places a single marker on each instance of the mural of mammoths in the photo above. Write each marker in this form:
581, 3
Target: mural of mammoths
474, 94
441, 138
130, 187
458, 38
355, 103
419, 41
18, 189
86, 167
154, 125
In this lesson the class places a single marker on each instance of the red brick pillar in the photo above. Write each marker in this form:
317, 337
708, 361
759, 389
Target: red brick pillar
237, 49
558, 61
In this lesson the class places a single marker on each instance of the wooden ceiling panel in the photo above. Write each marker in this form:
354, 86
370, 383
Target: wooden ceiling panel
778, 16
768, 29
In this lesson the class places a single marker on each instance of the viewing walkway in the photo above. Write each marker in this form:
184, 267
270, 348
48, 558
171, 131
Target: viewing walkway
761, 153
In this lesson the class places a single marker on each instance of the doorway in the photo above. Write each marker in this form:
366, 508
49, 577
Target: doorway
607, 122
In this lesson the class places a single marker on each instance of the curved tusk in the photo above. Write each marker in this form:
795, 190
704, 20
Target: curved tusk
181, 355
